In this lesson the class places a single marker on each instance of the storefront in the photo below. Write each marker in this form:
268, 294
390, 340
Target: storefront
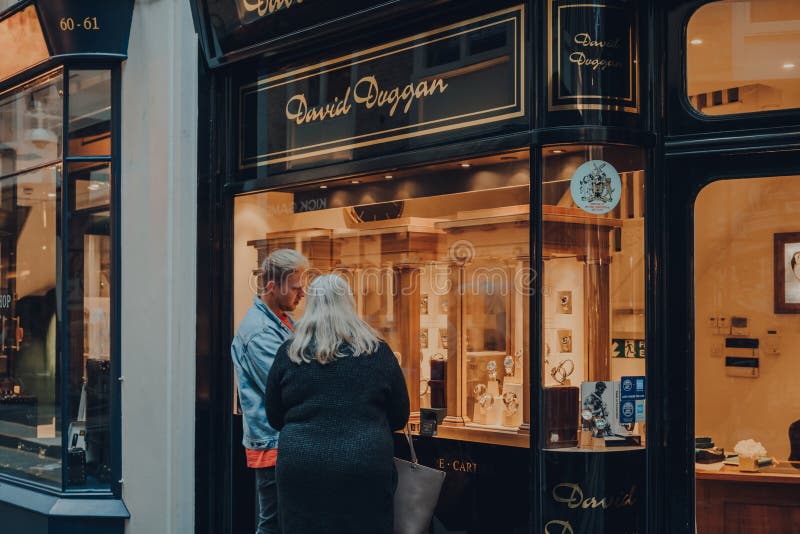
534, 203
87, 174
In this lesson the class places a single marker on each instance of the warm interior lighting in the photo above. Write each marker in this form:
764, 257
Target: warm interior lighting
388, 176
466, 165
788, 66
557, 151
323, 187
696, 41
355, 182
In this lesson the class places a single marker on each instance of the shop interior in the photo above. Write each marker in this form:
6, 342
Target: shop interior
439, 260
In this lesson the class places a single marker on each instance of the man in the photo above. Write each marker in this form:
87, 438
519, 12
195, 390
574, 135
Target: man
265, 327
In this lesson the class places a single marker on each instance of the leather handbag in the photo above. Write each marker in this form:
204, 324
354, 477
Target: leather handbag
417, 493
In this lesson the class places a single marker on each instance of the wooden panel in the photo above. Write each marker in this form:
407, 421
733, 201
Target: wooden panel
736, 507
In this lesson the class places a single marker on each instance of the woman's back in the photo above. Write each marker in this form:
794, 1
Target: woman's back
336, 446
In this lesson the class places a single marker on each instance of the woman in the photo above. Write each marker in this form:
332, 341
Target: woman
336, 393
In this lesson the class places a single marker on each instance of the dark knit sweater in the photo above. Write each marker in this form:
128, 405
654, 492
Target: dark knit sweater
335, 471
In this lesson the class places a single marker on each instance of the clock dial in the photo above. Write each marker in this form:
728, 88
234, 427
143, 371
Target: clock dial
378, 212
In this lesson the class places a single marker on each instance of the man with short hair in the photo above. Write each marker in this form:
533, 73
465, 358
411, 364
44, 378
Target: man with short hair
265, 327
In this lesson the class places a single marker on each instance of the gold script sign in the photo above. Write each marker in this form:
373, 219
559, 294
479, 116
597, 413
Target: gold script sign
268, 7
573, 496
366, 92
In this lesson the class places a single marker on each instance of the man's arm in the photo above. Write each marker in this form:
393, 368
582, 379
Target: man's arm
258, 357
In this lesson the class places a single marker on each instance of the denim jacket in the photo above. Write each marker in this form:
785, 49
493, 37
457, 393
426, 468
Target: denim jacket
253, 351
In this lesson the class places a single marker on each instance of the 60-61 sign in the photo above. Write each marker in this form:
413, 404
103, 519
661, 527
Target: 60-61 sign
68, 24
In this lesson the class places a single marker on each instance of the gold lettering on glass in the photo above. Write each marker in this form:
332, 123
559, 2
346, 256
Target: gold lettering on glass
572, 495
368, 93
268, 7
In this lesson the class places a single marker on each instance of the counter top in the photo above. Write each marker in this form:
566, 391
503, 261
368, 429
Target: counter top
780, 473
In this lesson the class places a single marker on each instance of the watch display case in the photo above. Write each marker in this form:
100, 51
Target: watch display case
438, 258
593, 296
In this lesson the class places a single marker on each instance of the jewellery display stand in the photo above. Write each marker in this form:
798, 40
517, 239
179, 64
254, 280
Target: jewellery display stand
512, 409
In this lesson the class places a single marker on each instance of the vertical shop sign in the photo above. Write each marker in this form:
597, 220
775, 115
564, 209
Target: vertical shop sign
593, 55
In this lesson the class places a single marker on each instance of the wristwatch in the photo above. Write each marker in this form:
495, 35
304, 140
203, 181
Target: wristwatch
492, 368
508, 363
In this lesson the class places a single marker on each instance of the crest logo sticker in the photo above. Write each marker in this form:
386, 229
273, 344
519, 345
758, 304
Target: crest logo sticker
596, 187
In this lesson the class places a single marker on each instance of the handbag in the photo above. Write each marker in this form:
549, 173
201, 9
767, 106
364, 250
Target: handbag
417, 493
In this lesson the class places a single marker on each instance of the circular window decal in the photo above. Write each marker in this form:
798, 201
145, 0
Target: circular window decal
596, 187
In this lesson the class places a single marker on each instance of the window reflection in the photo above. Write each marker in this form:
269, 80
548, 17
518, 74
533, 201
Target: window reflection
743, 56
31, 126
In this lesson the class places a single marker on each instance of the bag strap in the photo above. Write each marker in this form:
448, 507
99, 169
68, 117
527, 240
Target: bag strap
411, 446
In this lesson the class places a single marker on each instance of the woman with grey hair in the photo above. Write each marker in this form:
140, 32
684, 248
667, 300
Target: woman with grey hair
336, 393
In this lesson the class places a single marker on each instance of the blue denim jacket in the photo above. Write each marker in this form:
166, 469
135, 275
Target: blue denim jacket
253, 352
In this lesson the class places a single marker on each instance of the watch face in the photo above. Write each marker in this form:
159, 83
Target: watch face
378, 212
601, 423
491, 366
586, 415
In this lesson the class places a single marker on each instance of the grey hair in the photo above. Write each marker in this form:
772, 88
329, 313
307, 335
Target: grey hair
330, 323
282, 263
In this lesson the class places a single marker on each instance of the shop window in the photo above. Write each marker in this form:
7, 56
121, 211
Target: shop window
593, 336
743, 56
747, 407
439, 261
90, 113
30, 408
55, 283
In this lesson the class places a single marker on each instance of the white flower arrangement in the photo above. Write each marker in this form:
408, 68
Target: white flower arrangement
749, 448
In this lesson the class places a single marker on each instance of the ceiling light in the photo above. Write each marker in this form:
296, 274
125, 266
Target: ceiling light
355, 182
696, 41
466, 165
557, 151
788, 66
51, 195
388, 176
323, 187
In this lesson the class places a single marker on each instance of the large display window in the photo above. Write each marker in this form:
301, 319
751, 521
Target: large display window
56, 281
439, 261
747, 411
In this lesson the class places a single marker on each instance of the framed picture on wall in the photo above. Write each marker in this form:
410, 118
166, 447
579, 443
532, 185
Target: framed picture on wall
787, 272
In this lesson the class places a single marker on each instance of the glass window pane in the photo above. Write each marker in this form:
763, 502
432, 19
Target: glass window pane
30, 126
593, 310
89, 113
89, 299
438, 258
91, 184
30, 414
21, 40
743, 56
747, 301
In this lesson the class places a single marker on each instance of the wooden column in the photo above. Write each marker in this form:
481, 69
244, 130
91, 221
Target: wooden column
597, 308
525, 427
406, 319
456, 396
